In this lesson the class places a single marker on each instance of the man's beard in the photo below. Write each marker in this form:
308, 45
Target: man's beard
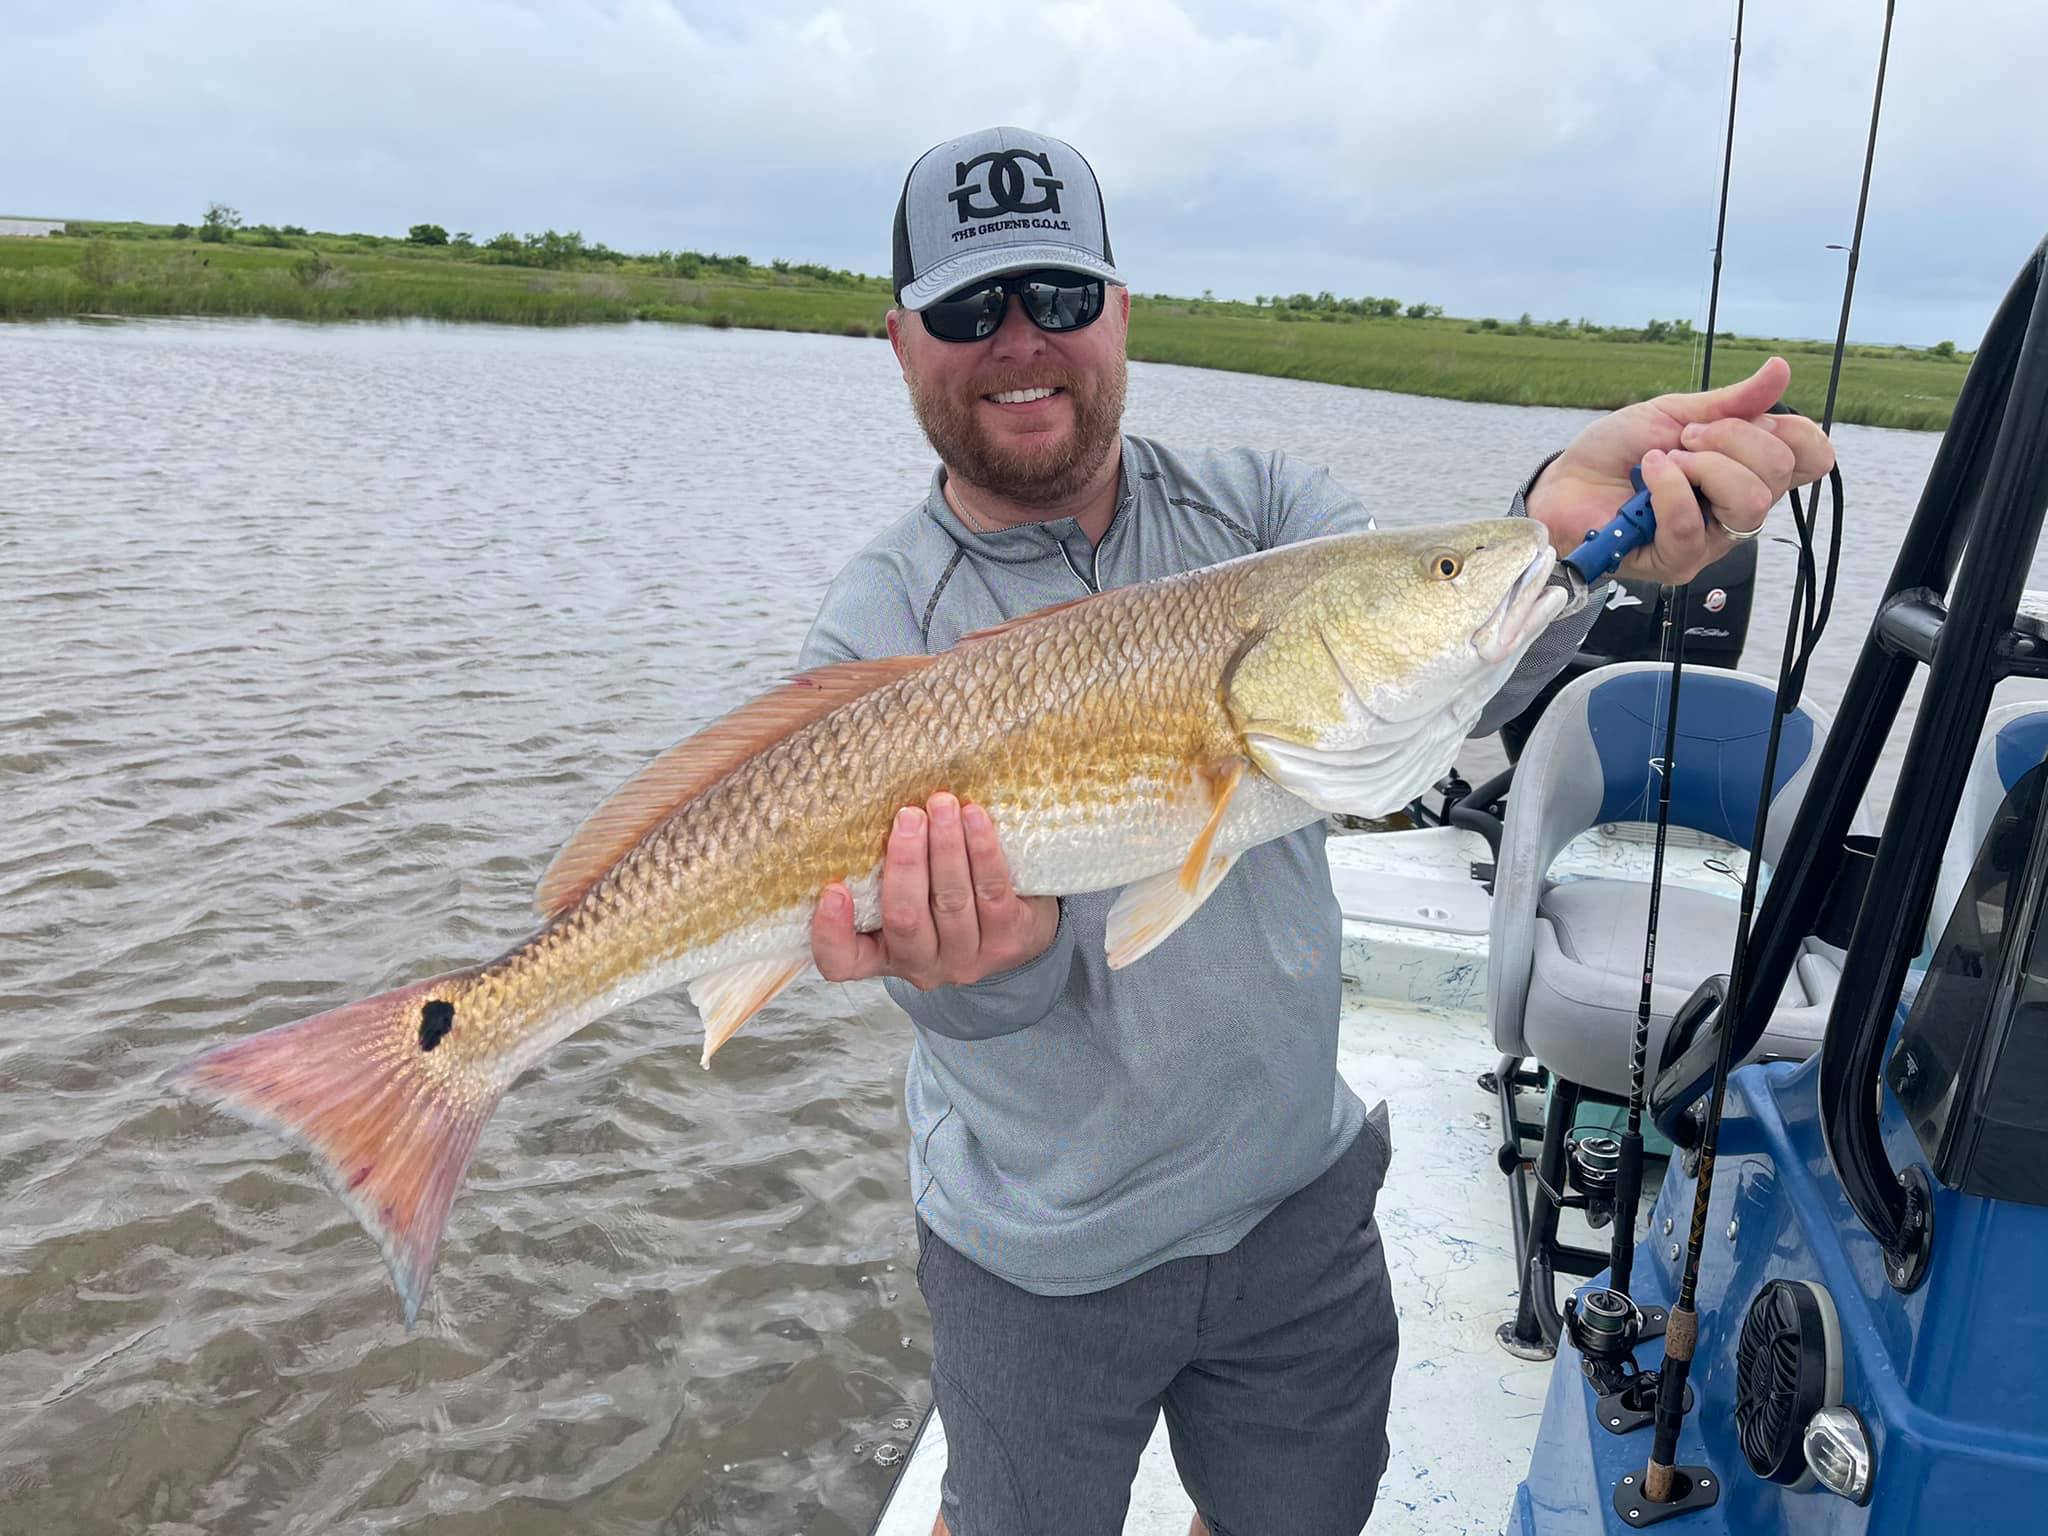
1041, 476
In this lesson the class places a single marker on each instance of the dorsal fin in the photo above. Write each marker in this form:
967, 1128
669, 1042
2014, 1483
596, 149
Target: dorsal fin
1030, 618
689, 768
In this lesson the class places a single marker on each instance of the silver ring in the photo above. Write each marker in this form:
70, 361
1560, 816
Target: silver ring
1739, 535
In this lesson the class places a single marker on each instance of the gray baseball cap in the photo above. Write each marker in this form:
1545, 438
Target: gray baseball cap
998, 201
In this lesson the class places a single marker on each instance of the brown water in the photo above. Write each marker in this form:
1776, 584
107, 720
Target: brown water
318, 642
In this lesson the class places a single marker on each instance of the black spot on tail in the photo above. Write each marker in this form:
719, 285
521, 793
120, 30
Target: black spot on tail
436, 1019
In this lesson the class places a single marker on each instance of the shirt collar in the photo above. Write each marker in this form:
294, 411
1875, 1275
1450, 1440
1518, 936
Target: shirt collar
1026, 541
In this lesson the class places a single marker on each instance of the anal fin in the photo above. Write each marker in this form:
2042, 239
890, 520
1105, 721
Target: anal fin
730, 997
1146, 912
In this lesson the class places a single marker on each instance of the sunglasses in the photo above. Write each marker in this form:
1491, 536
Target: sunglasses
1056, 301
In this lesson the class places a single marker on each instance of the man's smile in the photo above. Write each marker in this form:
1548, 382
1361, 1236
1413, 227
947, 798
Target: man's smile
1035, 401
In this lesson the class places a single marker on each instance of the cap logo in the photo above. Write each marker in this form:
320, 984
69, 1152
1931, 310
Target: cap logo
1004, 185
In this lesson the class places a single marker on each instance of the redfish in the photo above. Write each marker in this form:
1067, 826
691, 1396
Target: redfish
1144, 738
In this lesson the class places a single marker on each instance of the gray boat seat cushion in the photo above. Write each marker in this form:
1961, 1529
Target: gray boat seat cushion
1565, 960
1587, 978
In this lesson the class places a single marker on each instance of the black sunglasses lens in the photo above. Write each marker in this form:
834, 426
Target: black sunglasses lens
969, 316
1062, 303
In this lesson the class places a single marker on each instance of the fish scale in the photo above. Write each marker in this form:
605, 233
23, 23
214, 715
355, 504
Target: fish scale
1142, 738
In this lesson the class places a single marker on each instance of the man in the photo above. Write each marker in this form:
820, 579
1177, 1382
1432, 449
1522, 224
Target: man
1149, 1189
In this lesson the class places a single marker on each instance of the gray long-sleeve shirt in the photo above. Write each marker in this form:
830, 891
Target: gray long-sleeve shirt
1071, 1126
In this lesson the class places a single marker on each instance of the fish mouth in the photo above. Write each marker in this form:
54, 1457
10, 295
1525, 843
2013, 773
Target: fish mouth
1530, 605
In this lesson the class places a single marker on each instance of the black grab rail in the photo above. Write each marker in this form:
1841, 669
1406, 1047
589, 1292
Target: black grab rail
1986, 495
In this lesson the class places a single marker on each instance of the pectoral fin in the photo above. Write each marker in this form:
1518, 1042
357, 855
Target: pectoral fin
1145, 913
1223, 781
730, 997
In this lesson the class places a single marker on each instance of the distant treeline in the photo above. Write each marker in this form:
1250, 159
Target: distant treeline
1329, 308
549, 250
1326, 305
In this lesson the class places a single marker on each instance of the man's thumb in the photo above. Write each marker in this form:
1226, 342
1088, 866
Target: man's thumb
1746, 398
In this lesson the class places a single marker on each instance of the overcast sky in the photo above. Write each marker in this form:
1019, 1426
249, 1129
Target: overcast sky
1493, 156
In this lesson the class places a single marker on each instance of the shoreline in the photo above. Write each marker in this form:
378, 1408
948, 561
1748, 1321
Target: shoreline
143, 272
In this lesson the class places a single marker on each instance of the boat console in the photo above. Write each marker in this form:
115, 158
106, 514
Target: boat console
1872, 1347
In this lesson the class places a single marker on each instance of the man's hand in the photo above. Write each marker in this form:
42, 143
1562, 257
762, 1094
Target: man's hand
949, 913
1741, 459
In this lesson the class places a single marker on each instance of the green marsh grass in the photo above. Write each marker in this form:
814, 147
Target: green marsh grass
141, 269
1886, 387
336, 278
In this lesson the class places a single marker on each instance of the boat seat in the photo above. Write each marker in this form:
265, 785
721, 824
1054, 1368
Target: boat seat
1566, 961
1586, 977
1565, 956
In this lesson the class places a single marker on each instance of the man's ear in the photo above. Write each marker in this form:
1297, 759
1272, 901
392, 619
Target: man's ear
1123, 297
895, 319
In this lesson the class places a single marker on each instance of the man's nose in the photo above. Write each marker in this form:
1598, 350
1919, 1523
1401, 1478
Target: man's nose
1017, 336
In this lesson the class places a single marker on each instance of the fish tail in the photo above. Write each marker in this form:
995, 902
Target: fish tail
391, 1123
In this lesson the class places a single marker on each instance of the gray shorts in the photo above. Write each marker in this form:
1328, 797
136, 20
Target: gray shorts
1272, 1362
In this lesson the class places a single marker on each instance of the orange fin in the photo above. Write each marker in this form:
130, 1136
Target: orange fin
354, 1085
1146, 913
1223, 781
730, 997
686, 770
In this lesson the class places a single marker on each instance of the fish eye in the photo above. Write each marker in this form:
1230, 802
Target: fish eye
1444, 566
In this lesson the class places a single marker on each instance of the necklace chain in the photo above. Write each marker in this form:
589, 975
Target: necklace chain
972, 521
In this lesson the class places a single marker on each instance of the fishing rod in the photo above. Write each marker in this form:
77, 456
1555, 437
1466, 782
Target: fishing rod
1628, 1188
1609, 1324
1606, 1325
1665, 1484
1675, 600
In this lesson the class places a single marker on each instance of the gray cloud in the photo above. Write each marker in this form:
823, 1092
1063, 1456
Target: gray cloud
1560, 156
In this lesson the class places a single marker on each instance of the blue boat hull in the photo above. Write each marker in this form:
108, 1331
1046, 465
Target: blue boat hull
1949, 1379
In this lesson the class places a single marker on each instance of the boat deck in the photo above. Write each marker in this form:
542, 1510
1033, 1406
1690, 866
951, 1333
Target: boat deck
1414, 1032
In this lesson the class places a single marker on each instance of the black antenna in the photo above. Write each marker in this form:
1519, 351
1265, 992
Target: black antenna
1721, 223
1884, 51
